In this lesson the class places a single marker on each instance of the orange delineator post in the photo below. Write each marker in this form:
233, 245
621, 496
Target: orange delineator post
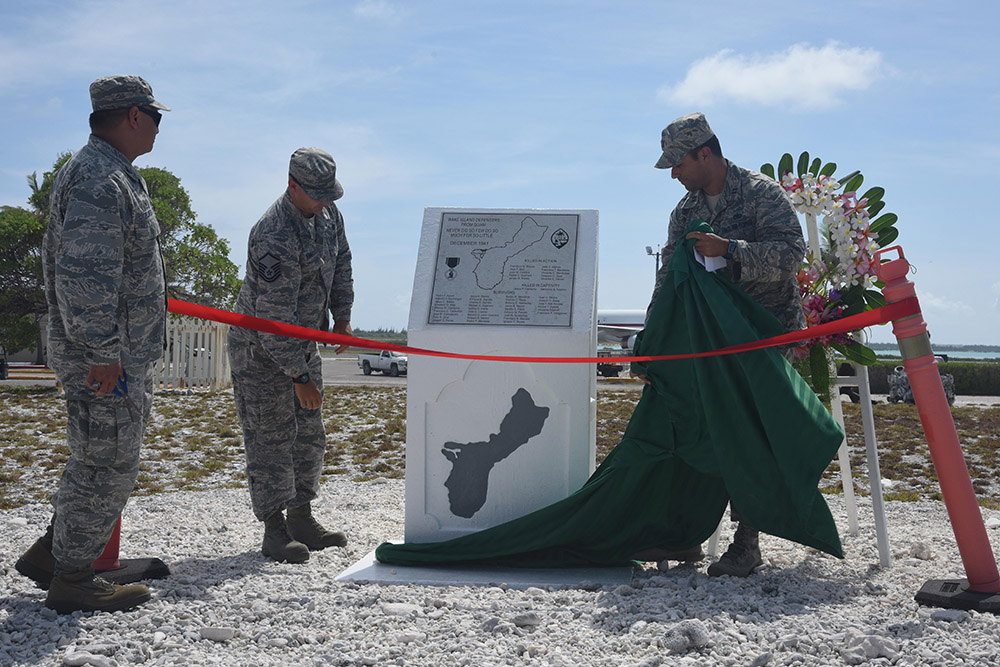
939, 427
108, 560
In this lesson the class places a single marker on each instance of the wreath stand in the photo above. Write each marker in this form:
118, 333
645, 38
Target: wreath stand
859, 380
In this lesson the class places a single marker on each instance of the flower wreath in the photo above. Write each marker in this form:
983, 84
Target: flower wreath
838, 277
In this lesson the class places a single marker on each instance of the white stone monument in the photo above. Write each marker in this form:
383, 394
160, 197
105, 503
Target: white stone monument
490, 441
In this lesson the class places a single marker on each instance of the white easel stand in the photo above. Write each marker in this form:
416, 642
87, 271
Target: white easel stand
860, 380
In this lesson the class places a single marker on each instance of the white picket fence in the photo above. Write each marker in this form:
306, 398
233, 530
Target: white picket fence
196, 356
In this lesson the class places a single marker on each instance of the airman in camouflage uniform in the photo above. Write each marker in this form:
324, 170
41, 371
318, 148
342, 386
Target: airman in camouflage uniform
298, 272
758, 234
104, 284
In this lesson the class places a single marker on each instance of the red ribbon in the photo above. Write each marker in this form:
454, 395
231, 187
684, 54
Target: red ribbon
887, 313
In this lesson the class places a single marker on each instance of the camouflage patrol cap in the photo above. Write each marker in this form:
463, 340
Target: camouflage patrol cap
316, 172
121, 92
681, 137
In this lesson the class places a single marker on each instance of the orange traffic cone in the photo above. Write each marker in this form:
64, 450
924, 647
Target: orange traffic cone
109, 559
128, 570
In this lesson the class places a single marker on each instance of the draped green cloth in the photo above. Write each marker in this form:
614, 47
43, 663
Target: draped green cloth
744, 427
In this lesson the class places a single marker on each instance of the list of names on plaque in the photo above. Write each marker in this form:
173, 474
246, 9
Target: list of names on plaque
505, 269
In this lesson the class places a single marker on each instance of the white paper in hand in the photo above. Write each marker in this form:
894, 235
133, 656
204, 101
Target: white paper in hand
710, 263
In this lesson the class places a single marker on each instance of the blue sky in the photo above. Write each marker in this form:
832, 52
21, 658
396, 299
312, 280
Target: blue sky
519, 104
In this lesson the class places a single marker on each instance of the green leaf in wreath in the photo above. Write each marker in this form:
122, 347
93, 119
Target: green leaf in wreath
819, 371
853, 301
768, 170
845, 179
785, 165
814, 167
873, 195
828, 169
803, 166
856, 352
880, 223
887, 236
873, 209
874, 298
853, 184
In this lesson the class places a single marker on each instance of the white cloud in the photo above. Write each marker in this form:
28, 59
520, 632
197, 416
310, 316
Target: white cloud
802, 76
378, 10
931, 301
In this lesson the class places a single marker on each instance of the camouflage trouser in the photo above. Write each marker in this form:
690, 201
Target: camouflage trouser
104, 440
284, 443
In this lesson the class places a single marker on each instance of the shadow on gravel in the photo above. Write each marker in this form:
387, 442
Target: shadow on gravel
686, 591
204, 572
30, 639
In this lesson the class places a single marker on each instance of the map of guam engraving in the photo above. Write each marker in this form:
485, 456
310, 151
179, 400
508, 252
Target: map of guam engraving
492, 261
471, 462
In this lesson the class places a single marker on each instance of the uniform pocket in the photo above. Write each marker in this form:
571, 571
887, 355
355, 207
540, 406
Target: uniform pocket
102, 433
146, 225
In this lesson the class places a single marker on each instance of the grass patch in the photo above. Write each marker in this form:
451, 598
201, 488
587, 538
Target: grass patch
194, 442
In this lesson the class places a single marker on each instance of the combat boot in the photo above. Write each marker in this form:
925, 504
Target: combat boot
278, 545
82, 590
302, 526
742, 556
37, 563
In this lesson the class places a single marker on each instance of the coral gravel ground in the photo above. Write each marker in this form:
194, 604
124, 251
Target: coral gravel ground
226, 604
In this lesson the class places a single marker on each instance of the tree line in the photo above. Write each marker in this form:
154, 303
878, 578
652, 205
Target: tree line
197, 262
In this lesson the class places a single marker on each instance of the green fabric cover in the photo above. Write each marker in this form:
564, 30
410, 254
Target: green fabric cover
742, 426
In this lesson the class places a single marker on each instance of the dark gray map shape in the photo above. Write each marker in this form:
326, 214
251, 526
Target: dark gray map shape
471, 462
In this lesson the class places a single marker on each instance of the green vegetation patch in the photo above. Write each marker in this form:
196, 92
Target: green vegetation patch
194, 442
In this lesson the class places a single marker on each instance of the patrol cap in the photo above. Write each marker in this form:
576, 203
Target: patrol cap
315, 170
681, 137
121, 92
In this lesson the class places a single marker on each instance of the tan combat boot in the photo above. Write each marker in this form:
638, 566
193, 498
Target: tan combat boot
82, 590
303, 527
278, 545
742, 557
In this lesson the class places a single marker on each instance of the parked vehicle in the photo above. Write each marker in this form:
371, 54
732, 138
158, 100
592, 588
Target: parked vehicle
611, 368
393, 363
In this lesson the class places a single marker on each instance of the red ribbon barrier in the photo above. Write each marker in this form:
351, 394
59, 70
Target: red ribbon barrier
890, 312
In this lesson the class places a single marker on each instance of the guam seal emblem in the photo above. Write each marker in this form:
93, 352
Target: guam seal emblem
559, 238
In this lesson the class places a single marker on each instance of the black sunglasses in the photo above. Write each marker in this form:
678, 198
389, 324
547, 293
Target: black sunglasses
152, 113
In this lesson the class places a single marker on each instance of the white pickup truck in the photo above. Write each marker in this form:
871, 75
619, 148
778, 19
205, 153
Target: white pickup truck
385, 361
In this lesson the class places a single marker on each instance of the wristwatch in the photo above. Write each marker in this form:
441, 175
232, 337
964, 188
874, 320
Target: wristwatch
732, 249
302, 379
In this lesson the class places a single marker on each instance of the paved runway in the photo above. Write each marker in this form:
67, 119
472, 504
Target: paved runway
343, 371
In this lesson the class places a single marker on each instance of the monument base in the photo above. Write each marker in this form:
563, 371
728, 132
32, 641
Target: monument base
131, 570
956, 594
370, 570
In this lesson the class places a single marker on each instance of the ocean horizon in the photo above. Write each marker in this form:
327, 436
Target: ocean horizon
951, 355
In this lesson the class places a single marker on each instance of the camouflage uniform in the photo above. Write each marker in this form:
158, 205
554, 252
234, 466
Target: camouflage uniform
298, 269
755, 211
104, 284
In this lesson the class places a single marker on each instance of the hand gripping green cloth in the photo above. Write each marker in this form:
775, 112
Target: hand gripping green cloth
744, 427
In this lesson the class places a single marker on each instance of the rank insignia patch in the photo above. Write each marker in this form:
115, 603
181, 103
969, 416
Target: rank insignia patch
269, 268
